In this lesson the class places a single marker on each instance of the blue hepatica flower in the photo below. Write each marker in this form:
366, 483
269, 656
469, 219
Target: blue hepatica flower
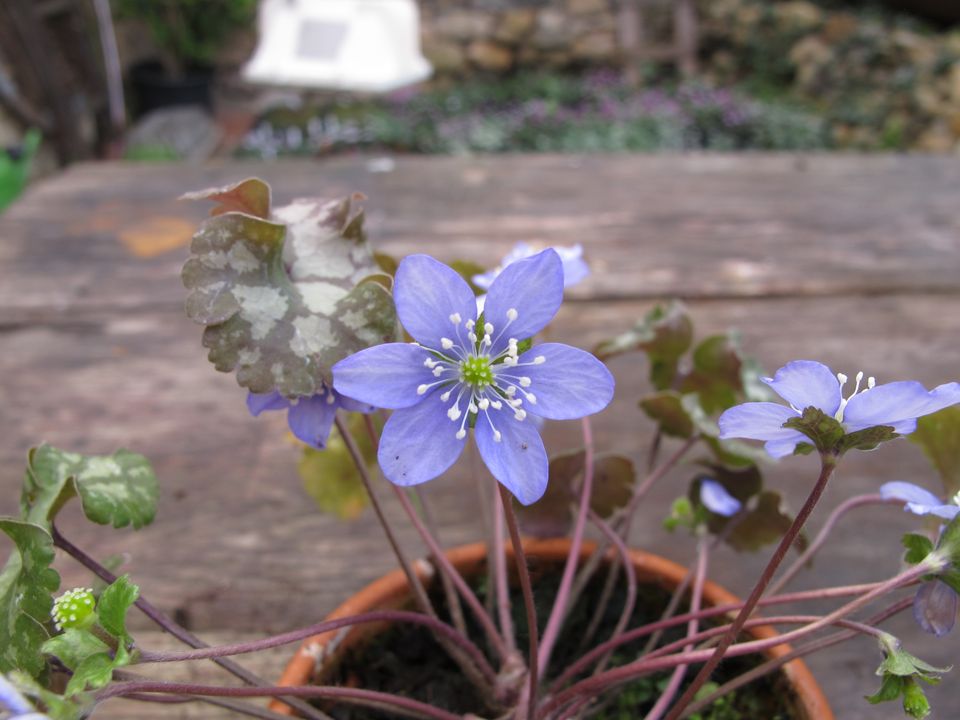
575, 268
310, 418
919, 500
716, 499
463, 371
806, 383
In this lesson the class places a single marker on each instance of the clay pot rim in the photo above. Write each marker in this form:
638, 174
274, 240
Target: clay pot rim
392, 589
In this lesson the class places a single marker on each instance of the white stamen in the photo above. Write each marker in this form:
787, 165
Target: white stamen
438, 371
510, 360
430, 363
488, 328
531, 398
469, 324
512, 314
842, 378
525, 381
446, 396
496, 404
454, 413
461, 434
539, 360
421, 389
455, 318
472, 407
520, 414
472, 335
871, 382
446, 343
497, 436
484, 403
511, 391
330, 399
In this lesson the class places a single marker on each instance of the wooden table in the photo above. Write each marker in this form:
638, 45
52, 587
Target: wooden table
852, 260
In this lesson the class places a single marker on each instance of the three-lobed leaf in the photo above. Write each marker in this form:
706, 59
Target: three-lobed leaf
286, 292
115, 600
73, 646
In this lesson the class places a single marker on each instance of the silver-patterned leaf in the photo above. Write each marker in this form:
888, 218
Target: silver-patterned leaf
285, 298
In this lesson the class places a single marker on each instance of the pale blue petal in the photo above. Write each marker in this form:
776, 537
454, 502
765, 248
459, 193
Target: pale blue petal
534, 288
757, 421
485, 280
351, 405
311, 418
897, 401
419, 443
716, 499
426, 293
518, 460
935, 608
783, 448
575, 271
385, 376
569, 384
909, 493
261, 402
806, 383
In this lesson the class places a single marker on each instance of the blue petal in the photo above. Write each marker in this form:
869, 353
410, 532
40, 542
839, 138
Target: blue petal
575, 271
386, 376
757, 421
716, 499
534, 288
895, 402
782, 448
260, 402
806, 383
351, 405
935, 608
569, 384
311, 418
518, 460
426, 293
419, 443
909, 493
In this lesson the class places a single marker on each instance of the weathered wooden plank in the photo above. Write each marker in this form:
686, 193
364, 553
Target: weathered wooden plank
113, 235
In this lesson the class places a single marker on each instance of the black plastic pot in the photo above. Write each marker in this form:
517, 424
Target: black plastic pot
153, 87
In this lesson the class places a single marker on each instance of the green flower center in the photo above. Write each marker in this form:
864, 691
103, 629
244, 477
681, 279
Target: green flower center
476, 372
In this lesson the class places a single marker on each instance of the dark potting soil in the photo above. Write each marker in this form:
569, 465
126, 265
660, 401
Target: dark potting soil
406, 660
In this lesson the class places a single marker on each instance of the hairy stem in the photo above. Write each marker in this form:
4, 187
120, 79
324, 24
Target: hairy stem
169, 625
526, 587
369, 698
561, 602
828, 465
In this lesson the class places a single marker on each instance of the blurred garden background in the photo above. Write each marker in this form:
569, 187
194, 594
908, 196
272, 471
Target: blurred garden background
160, 80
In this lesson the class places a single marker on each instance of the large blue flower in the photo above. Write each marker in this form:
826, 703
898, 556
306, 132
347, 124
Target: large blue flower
310, 418
806, 383
466, 371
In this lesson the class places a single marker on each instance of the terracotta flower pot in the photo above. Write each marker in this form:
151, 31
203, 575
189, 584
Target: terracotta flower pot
391, 591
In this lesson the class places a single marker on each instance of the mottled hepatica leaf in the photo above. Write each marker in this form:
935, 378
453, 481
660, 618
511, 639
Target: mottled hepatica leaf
285, 293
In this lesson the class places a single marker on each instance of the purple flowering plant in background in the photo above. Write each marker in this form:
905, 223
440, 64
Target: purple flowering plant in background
467, 370
313, 328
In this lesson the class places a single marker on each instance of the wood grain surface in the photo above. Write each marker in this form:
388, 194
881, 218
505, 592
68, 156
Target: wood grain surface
848, 259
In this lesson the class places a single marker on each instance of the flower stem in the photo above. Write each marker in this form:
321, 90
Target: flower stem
369, 698
499, 563
696, 597
526, 587
837, 514
446, 566
449, 592
561, 602
828, 465
776, 663
178, 631
390, 616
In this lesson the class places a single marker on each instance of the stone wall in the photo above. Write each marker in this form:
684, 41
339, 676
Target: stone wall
461, 37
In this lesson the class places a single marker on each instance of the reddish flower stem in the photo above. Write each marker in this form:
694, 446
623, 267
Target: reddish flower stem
370, 698
520, 559
561, 602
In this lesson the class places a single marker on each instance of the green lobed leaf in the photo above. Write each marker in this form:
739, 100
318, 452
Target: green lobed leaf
716, 375
867, 439
116, 599
938, 435
890, 688
93, 673
119, 489
27, 584
286, 296
73, 646
825, 432
918, 547
665, 334
901, 663
330, 477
